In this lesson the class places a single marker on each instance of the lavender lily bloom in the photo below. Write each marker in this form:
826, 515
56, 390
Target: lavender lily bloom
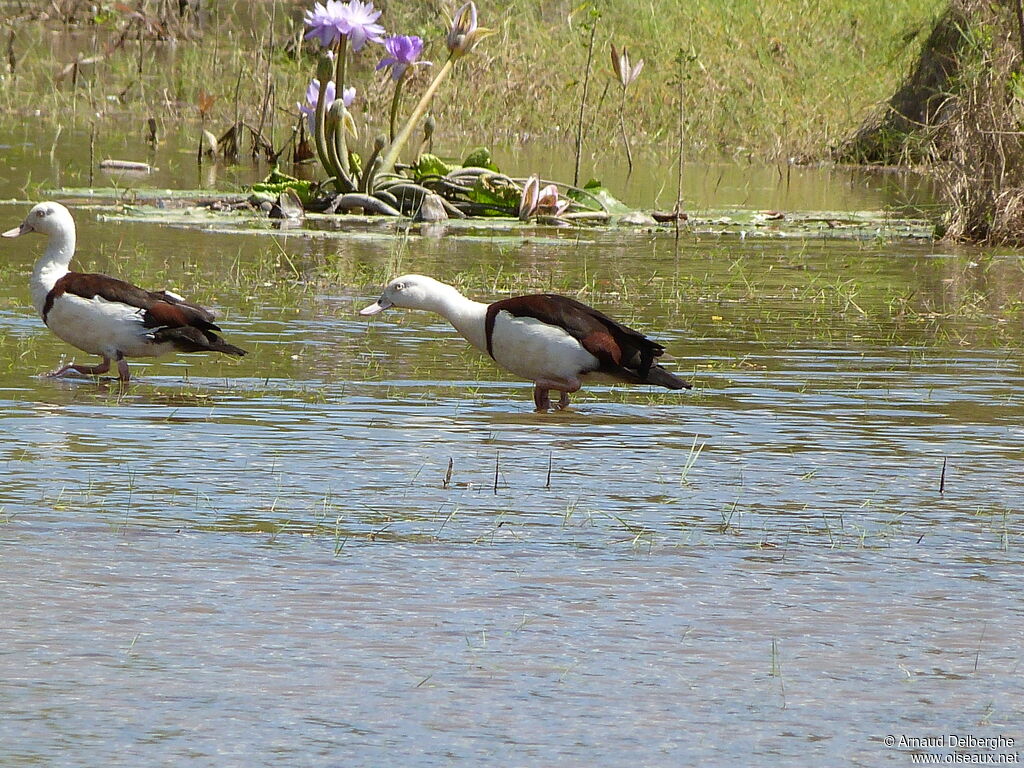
403, 52
348, 95
360, 24
549, 202
325, 22
463, 35
626, 75
528, 202
356, 20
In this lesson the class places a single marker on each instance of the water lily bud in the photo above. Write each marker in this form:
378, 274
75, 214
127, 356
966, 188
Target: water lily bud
531, 194
464, 34
337, 112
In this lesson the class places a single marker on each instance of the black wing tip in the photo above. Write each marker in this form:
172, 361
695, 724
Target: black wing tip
188, 339
231, 349
217, 344
661, 377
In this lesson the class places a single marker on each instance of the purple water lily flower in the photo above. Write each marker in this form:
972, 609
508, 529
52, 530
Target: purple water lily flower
362, 26
355, 19
313, 95
403, 52
325, 22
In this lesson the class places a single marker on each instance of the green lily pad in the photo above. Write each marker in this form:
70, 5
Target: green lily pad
277, 176
480, 158
845, 225
143, 194
301, 187
172, 208
496, 191
596, 195
430, 165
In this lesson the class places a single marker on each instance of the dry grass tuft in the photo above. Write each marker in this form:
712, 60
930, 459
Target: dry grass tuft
961, 112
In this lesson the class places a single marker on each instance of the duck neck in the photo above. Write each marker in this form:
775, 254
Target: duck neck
466, 315
51, 266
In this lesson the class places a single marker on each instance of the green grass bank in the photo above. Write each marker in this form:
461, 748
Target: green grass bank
767, 79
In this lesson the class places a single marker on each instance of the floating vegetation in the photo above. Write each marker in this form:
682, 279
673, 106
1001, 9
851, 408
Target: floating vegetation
243, 215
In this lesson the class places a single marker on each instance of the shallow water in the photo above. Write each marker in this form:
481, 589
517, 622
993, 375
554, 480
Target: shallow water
263, 562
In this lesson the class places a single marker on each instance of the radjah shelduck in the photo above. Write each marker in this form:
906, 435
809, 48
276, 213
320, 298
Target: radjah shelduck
105, 316
551, 340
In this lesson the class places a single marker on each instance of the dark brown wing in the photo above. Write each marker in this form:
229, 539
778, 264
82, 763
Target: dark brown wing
618, 348
159, 308
189, 327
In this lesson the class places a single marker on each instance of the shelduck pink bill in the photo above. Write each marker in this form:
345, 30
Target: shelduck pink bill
21, 229
378, 306
553, 341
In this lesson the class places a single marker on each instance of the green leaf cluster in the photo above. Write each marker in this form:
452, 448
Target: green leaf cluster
596, 196
495, 191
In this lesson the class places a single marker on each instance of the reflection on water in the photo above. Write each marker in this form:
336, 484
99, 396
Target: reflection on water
266, 561
182, 647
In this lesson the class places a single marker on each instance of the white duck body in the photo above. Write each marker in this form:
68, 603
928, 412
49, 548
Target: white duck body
103, 315
525, 346
103, 327
534, 350
551, 340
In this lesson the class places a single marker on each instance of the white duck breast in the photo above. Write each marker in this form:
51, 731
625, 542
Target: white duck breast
533, 349
103, 327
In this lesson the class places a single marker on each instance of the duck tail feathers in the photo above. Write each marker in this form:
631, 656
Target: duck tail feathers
217, 344
661, 377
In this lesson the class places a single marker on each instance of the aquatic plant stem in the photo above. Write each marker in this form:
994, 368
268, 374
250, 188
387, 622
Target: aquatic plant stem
388, 164
583, 104
340, 64
319, 130
372, 164
394, 104
331, 146
92, 150
625, 137
682, 135
340, 69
